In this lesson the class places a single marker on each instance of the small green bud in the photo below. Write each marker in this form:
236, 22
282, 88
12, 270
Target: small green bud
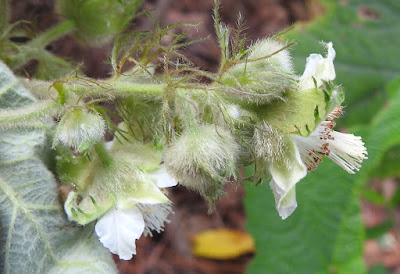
80, 129
203, 159
98, 20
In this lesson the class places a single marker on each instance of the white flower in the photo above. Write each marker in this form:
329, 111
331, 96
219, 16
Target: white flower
318, 69
121, 226
344, 149
304, 153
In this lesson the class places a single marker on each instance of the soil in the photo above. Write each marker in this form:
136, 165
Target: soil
170, 252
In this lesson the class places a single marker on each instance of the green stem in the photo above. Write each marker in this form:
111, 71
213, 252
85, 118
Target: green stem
110, 89
36, 46
52, 34
104, 156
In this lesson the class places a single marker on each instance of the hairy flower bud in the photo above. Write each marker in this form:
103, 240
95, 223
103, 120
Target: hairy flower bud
203, 159
267, 72
80, 129
279, 58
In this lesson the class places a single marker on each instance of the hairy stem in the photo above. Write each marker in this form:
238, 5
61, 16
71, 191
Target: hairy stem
37, 45
52, 34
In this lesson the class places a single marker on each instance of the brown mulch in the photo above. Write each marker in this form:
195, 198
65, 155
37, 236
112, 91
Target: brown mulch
170, 252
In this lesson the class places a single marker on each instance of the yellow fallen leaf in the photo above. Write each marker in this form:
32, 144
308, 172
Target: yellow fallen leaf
222, 244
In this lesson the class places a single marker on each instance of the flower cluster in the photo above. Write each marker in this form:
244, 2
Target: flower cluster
258, 113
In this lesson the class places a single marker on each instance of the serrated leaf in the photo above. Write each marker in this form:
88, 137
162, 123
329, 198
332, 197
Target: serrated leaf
366, 35
327, 222
35, 236
222, 244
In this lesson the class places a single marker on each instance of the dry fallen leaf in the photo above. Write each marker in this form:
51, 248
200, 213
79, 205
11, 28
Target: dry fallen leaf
222, 244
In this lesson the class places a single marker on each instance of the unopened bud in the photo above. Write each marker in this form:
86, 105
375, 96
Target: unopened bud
203, 159
80, 129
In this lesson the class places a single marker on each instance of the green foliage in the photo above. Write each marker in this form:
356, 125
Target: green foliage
378, 269
96, 21
390, 164
327, 222
35, 236
365, 34
309, 240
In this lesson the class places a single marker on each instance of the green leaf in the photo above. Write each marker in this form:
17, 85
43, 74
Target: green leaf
366, 35
379, 230
309, 241
390, 164
35, 236
98, 20
378, 269
325, 233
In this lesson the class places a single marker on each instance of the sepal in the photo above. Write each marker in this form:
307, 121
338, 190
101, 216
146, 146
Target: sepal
299, 113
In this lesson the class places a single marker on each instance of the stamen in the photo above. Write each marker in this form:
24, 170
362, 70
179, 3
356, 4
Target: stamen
155, 216
344, 149
347, 151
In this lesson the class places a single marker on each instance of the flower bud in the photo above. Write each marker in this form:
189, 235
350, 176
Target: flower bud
203, 159
267, 72
80, 129
280, 58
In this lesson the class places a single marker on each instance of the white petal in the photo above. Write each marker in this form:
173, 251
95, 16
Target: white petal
288, 204
155, 216
318, 69
118, 230
311, 64
162, 178
285, 175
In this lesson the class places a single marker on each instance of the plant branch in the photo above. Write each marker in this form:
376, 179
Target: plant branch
33, 48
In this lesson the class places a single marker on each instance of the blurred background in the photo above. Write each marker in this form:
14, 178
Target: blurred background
365, 35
